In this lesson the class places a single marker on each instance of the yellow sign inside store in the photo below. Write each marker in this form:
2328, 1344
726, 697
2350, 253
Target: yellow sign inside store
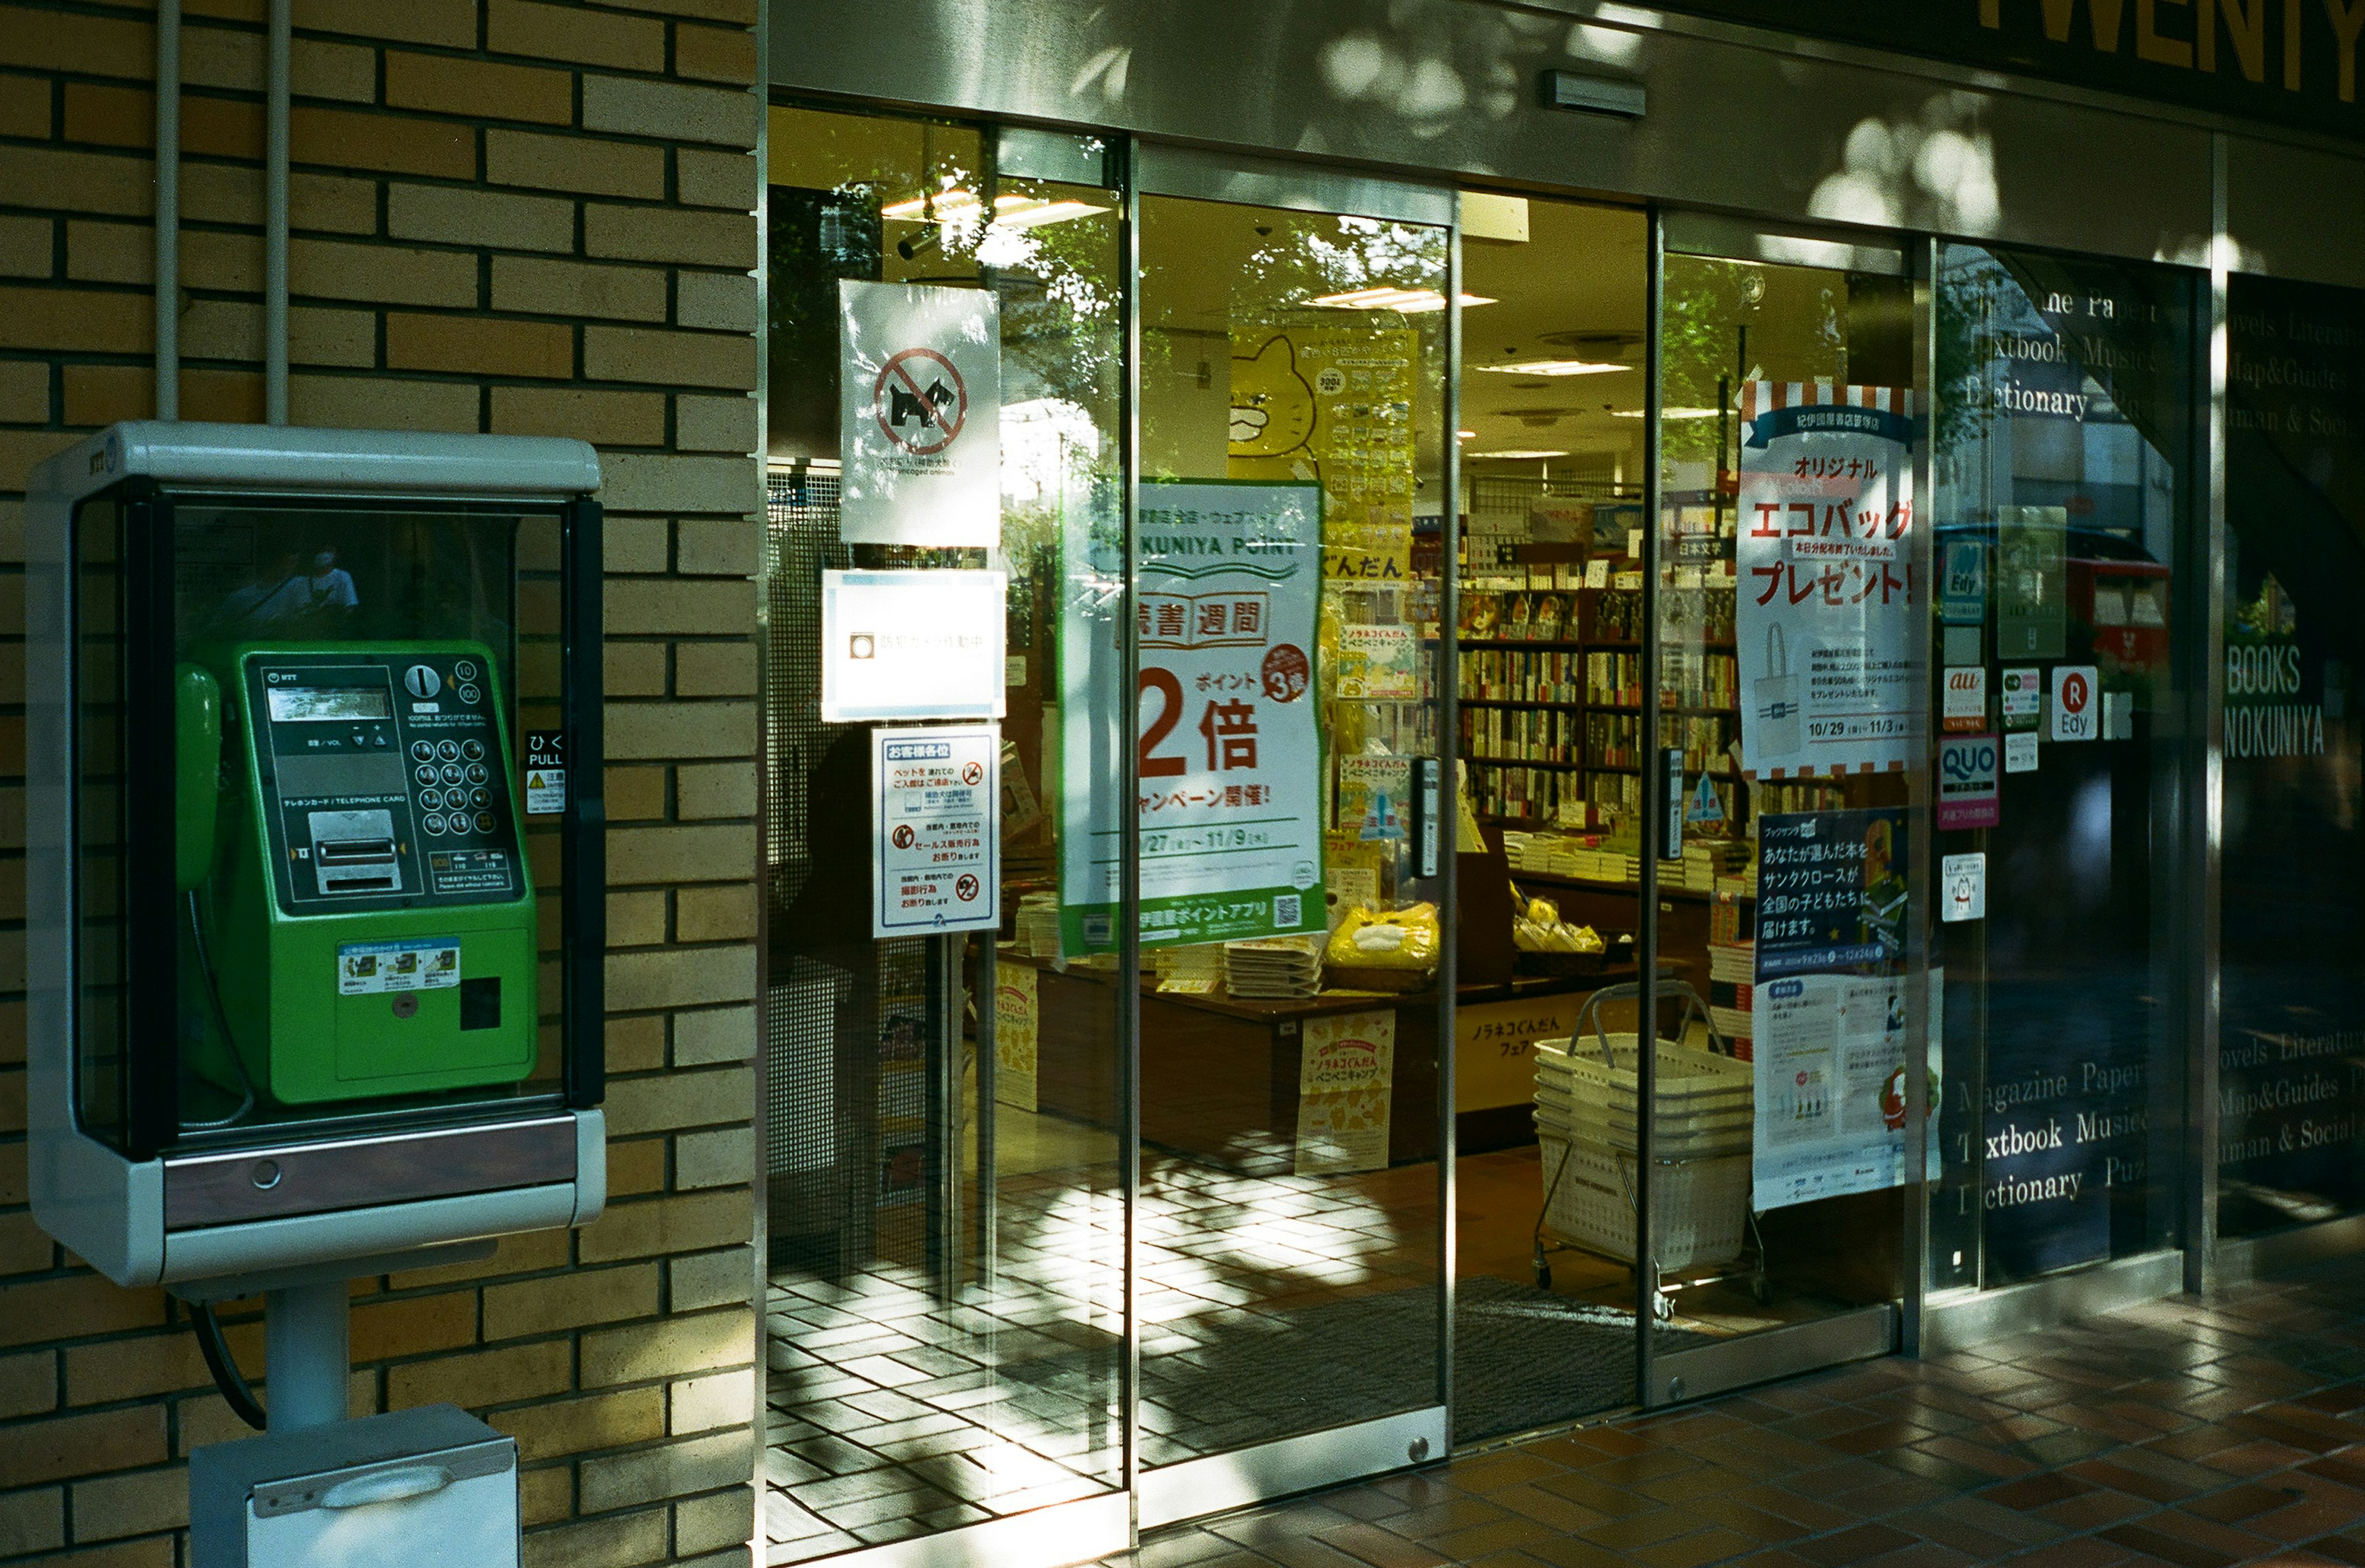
1495, 1048
1333, 404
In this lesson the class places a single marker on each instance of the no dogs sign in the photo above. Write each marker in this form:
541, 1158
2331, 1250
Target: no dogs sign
920, 411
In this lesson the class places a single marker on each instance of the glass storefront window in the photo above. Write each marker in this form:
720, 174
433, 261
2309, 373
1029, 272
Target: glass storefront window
2068, 455
2291, 1037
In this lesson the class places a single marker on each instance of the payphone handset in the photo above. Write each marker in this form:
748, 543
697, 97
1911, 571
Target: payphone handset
359, 900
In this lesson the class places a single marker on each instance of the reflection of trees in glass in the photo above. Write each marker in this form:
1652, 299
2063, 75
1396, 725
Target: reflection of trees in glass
1709, 303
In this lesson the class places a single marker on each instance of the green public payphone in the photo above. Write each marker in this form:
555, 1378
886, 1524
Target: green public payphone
361, 912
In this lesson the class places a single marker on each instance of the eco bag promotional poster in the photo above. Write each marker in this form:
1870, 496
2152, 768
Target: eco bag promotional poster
1227, 588
1333, 405
1829, 994
919, 414
1828, 684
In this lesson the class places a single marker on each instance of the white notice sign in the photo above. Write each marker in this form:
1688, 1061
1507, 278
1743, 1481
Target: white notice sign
933, 836
920, 414
1965, 879
2020, 752
910, 645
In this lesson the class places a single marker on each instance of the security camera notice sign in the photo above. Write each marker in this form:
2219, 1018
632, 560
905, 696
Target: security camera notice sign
935, 791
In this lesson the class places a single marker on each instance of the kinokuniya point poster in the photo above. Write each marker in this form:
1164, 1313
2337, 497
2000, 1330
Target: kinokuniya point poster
1227, 586
1828, 585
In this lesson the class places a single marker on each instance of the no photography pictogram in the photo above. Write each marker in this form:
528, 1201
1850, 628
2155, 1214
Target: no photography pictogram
920, 389
965, 888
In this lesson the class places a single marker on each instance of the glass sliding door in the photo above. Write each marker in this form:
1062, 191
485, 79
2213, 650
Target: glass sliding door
2067, 460
1782, 728
945, 1311
1286, 577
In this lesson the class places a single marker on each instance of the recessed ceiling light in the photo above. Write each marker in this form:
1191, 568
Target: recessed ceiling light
1411, 301
1467, 435
1550, 367
1517, 455
1678, 412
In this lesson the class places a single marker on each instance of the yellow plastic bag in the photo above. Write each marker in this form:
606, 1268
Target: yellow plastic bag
1386, 939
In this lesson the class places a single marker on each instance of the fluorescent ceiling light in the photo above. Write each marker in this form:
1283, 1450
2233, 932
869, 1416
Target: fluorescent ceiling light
1467, 435
1510, 454
1012, 211
1411, 301
1678, 412
1550, 367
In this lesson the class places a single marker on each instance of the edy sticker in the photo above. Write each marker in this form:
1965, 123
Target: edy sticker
418, 963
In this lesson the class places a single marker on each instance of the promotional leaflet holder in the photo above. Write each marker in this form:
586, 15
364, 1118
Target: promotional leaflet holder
314, 985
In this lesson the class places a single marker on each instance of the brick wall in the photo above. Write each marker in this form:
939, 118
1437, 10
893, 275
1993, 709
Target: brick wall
508, 216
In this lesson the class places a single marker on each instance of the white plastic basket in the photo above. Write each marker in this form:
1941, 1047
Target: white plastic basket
1705, 1103
1699, 1206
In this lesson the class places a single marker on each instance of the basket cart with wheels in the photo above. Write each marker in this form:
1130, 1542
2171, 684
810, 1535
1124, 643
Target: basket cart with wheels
1587, 1115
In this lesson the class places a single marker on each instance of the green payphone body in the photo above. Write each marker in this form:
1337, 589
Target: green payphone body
362, 910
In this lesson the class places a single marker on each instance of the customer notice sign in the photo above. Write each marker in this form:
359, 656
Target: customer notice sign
934, 792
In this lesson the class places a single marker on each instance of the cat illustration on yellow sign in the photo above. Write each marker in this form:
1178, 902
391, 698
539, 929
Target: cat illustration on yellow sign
1273, 414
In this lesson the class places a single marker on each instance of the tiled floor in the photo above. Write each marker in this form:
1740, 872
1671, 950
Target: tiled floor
2197, 1433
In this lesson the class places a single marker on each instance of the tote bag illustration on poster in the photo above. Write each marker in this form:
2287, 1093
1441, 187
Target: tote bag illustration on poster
1774, 703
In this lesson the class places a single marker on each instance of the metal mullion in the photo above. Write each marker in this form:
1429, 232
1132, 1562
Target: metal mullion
1447, 820
1921, 274
1128, 986
2204, 773
1646, 936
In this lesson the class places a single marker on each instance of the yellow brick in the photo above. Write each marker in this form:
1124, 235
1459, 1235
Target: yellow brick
648, 481
726, 1519
229, 397
633, 543
414, 1325
544, 1495
646, 354
24, 392
688, 1222
152, 1364
715, 669
139, 1503
24, 108
100, 252
27, 246
700, 1342
660, 854
740, 11
527, 1253
358, 402
76, 182
568, 32
723, 302
605, 418
710, 549
29, 1383
636, 920
637, 1167
679, 730
31, 1522
724, 1278
715, 915
149, 1551
220, 57
680, 977
571, 1300
317, 335
478, 88
484, 1377
716, 179
452, 23
479, 344
64, 1446
714, 1036
675, 1470
574, 164
86, 321
715, 54
633, 669
635, 1044
618, 1542
102, 394
635, 793
714, 424
702, 1403
495, 220
232, 263
670, 234
531, 285
397, 143
666, 109
592, 1421
25, 1247
691, 609
715, 790
336, 269
723, 1157
52, 41
72, 1306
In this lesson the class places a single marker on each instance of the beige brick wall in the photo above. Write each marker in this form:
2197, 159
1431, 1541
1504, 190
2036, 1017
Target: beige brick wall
508, 216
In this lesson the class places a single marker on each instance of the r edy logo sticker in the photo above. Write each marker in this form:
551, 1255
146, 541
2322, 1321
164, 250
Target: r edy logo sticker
2076, 706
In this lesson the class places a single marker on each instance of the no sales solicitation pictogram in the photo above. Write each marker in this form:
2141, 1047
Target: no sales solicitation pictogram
936, 411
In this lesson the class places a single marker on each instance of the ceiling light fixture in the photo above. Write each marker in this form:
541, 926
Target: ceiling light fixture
1411, 301
1550, 367
1675, 414
1517, 455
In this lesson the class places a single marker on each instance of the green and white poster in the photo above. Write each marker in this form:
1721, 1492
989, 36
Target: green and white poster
1228, 587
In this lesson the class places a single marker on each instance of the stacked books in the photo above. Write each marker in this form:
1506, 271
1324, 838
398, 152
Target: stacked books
1732, 969
1194, 970
1274, 968
1039, 926
1708, 860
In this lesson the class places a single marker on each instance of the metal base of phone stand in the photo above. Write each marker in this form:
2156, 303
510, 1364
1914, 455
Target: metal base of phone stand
308, 1357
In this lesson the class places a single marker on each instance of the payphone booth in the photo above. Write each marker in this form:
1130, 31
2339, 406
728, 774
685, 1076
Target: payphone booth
316, 874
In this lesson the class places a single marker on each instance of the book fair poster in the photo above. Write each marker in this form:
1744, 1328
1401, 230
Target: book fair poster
1227, 594
1016, 1010
1346, 1091
1827, 599
1333, 405
1829, 1035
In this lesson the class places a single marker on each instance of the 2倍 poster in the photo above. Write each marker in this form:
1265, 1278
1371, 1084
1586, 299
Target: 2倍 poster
1228, 584
1828, 595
